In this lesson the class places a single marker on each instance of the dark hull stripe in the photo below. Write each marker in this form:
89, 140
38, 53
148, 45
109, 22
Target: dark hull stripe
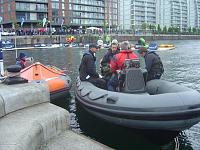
150, 116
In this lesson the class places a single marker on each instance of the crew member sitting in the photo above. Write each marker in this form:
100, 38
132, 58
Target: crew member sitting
87, 68
12, 75
117, 63
21, 60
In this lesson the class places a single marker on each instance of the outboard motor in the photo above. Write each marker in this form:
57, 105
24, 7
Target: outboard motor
134, 81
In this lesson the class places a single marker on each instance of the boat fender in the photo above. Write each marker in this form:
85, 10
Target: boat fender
112, 100
14, 80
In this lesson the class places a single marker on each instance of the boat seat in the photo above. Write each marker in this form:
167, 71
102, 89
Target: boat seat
134, 81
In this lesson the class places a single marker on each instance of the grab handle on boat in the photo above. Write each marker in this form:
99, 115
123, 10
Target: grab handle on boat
112, 100
36, 70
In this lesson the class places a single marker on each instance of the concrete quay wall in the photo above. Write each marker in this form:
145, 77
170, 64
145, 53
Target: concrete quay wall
28, 121
22, 41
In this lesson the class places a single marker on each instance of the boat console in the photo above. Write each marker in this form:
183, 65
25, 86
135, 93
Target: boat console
132, 77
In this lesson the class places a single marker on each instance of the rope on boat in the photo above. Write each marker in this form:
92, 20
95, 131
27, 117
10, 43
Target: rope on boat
176, 143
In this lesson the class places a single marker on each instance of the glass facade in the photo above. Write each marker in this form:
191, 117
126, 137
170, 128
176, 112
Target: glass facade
31, 11
87, 12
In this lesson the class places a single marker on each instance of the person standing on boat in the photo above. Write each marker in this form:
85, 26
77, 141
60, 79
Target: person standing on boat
87, 68
117, 63
153, 63
21, 60
105, 62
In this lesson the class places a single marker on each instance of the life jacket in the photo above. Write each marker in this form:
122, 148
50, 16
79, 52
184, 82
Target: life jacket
157, 68
82, 67
127, 62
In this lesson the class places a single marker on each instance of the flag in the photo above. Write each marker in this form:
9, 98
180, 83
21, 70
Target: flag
22, 21
1, 19
44, 22
62, 22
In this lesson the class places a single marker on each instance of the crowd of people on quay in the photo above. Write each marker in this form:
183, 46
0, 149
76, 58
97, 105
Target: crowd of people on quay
113, 64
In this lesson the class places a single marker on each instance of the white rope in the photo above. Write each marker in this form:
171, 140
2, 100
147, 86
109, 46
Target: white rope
176, 143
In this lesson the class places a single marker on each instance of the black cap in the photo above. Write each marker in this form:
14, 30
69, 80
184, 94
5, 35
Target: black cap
13, 68
93, 46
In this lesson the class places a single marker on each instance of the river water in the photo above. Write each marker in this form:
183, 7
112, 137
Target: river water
182, 65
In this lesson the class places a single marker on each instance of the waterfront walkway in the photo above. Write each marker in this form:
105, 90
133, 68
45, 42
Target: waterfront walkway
28, 121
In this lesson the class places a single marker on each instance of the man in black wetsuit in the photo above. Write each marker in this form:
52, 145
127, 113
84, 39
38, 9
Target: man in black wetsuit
87, 68
153, 63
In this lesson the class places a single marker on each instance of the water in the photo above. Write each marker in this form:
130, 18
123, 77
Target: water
182, 66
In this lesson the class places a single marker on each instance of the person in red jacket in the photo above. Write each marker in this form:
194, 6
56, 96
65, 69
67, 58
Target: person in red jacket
117, 63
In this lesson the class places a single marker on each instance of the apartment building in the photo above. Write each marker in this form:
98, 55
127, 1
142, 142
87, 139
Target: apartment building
111, 12
170, 13
69, 12
194, 13
28, 10
86, 12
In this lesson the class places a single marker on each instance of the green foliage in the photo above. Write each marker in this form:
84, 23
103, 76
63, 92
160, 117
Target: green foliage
165, 30
15, 25
39, 24
189, 30
159, 29
194, 30
144, 26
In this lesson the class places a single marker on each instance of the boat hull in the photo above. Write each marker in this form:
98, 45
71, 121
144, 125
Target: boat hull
139, 112
58, 82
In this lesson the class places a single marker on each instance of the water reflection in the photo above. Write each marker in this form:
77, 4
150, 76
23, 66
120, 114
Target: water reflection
119, 137
181, 66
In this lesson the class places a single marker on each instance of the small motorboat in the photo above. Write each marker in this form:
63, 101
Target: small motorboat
43, 46
155, 105
59, 83
8, 45
164, 47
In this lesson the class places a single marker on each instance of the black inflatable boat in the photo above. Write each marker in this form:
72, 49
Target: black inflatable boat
158, 104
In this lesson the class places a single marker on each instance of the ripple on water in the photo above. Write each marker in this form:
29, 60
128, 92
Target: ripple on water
193, 135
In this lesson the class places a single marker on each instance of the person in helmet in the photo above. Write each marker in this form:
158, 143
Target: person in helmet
142, 42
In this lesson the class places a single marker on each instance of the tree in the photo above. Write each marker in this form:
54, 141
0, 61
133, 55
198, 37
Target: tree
15, 25
39, 24
165, 30
144, 26
194, 30
189, 30
170, 30
105, 26
159, 30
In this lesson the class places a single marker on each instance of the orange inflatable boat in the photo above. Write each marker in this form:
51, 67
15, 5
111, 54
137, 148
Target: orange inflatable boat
59, 83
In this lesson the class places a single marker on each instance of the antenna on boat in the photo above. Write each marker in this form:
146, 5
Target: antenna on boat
1, 58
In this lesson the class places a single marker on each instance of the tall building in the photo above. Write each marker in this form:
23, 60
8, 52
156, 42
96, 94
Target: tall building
170, 13
70, 12
14, 11
86, 12
163, 13
124, 15
194, 13
133, 13
111, 12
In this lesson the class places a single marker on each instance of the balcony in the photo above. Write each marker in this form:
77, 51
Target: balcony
33, 1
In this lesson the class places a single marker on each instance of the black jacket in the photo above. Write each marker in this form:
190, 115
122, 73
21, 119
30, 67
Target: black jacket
88, 66
108, 56
154, 65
